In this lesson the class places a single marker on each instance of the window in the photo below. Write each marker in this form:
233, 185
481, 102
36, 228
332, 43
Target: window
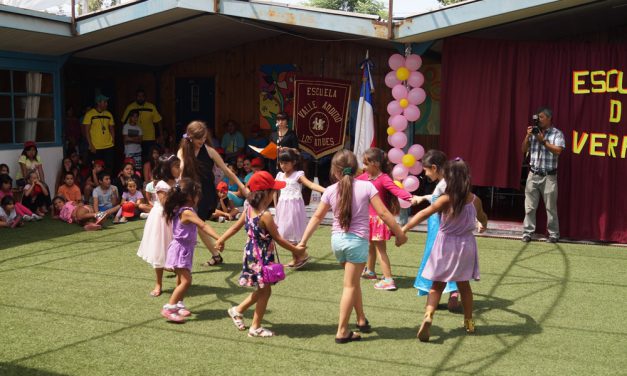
26, 107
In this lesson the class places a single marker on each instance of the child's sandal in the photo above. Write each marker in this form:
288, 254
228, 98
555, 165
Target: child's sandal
214, 260
260, 332
238, 319
469, 325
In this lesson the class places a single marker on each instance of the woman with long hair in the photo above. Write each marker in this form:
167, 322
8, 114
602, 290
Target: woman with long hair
197, 160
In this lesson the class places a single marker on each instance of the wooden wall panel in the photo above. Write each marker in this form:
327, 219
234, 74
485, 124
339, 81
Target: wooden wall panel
237, 79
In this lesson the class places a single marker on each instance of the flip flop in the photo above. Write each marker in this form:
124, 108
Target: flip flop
155, 293
301, 263
366, 328
352, 336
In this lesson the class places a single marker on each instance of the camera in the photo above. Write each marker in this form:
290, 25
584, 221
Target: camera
536, 124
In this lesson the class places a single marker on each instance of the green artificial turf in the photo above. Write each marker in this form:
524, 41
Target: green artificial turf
77, 303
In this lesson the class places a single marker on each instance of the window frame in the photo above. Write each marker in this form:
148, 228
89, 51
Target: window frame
19, 62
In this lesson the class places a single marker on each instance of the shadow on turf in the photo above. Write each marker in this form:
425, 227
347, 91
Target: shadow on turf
9, 369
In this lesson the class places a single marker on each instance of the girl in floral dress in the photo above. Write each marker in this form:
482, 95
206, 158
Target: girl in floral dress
258, 252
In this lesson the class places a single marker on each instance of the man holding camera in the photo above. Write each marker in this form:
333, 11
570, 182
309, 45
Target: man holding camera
544, 143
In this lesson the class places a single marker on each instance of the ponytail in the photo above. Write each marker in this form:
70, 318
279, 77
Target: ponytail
343, 168
184, 191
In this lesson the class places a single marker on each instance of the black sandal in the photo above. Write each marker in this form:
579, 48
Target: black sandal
352, 336
214, 260
366, 328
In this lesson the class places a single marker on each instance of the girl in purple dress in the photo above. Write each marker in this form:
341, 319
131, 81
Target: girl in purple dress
454, 253
179, 210
290, 207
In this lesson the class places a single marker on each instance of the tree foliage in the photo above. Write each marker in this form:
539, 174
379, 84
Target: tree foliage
357, 6
449, 2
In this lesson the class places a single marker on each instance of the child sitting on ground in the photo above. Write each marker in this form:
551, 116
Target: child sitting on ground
36, 196
131, 199
106, 197
72, 212
225, 211
69, 190
8, 217
6, 190
91, 181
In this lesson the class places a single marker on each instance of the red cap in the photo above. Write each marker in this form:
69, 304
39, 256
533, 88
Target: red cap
129, 160
262, 180
30, 144
256, 162
128, 209
222, 187
99, 162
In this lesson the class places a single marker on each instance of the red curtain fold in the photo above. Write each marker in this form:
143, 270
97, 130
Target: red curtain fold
490, 90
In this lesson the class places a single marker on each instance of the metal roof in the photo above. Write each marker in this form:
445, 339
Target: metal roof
161, 32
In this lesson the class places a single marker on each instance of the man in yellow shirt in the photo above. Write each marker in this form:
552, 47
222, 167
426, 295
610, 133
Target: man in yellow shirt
100, 132
149, 119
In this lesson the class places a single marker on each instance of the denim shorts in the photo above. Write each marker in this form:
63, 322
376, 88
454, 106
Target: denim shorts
349, 247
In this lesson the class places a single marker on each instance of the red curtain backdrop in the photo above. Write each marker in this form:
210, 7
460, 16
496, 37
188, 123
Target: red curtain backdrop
490, 90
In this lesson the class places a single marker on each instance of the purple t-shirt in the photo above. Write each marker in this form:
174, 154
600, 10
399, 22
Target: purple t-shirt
363, 191
133, 198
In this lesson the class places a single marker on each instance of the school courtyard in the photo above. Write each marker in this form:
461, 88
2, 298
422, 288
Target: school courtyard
77, 303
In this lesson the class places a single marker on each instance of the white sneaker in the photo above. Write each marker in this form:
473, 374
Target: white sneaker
36, 217
221, 219
28, 218
143, 215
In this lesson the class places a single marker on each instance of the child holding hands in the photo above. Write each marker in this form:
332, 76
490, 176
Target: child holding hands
179, 210
259, 250
454, 253
349, 199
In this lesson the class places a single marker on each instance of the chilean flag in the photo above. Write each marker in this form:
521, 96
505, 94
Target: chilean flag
364, 124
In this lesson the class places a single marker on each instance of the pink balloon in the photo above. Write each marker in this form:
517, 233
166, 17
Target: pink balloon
404, 204
391, 80
416, 169
399, 92
396, 61
411, 112
398, 122
399, 172
398, 140
416, 96
417, 151
416, 79
395, 155
411, 183
413, 62
394, 108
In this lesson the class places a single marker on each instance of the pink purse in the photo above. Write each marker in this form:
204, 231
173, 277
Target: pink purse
273, 272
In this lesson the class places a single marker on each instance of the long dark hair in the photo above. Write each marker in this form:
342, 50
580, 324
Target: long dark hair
380, 158
151, 160
255, 198
195, 130
291, 155
457, 177
184, 191
163, 170
435, 158
343, 168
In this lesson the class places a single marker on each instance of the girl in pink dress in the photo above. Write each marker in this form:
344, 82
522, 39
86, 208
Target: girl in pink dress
454, 253
377, 170
290, 207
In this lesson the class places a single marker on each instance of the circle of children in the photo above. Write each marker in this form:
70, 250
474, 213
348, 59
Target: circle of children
363, 202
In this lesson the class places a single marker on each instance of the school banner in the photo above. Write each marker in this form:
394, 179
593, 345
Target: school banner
491, 88
320, 114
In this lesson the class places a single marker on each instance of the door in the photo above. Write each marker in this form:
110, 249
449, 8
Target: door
195, 100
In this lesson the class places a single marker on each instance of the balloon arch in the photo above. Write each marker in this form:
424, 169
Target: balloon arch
405, 82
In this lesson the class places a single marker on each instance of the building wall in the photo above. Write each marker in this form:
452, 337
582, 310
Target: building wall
236, 73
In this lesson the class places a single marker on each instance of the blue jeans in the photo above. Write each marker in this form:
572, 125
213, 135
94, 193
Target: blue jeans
348, 247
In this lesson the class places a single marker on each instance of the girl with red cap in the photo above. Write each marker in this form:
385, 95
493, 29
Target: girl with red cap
259, 251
